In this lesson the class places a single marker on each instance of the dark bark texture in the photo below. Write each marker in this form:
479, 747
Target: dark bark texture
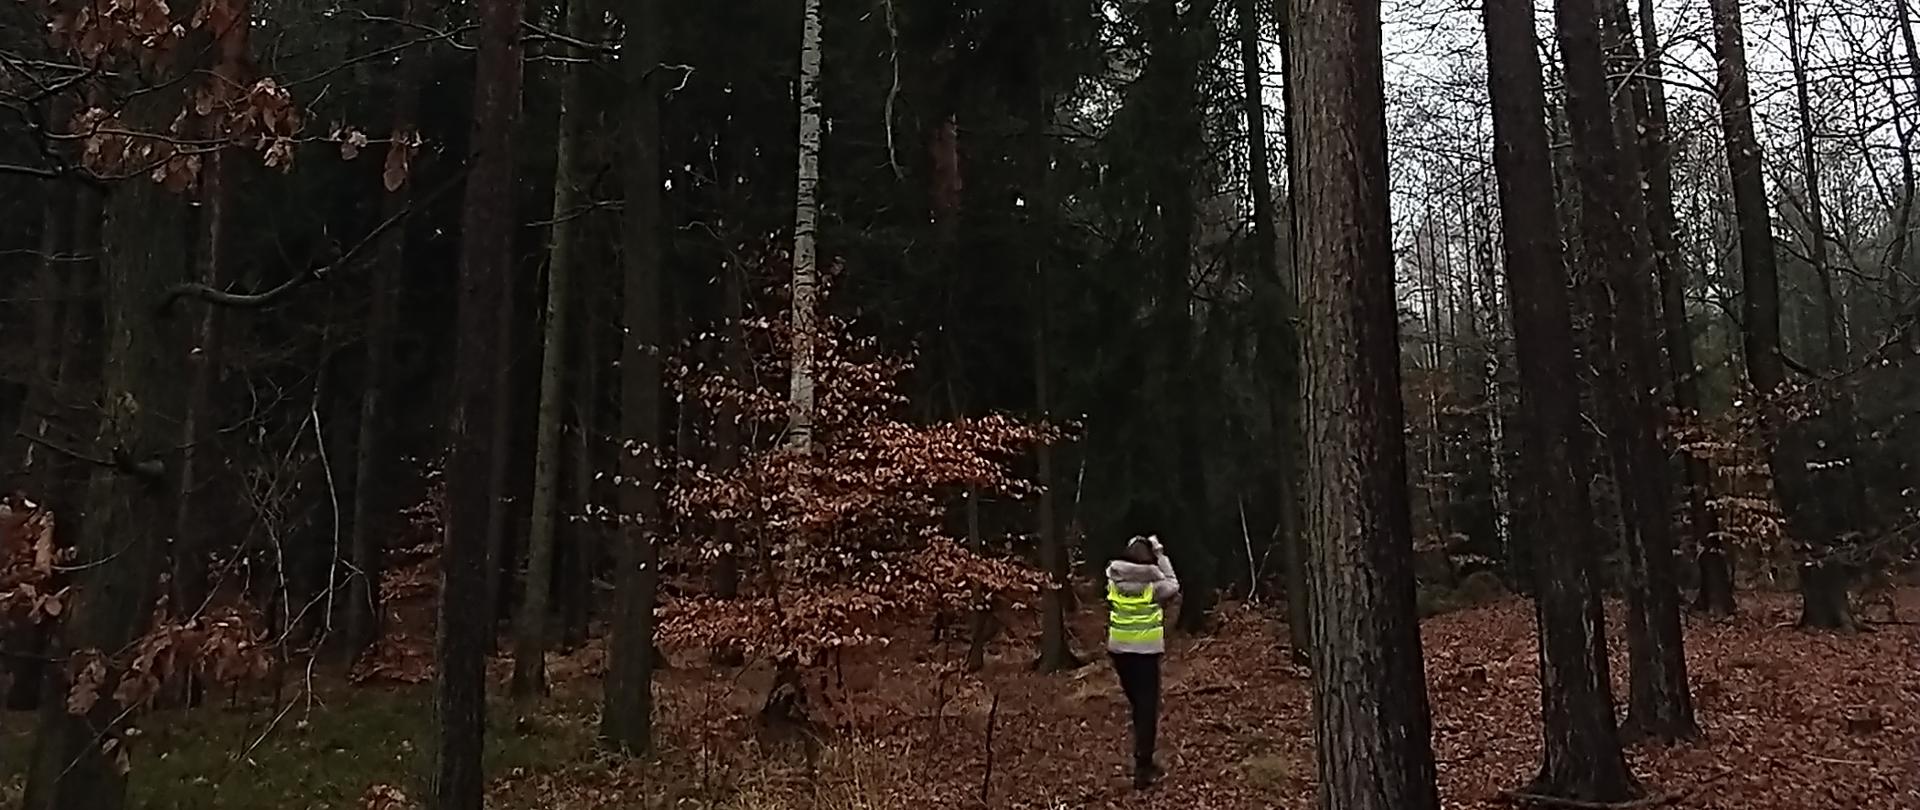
1656, 149
1581, 756
1823, 591
128, 501
1618, 256
627, 725
458, 781
1372, 722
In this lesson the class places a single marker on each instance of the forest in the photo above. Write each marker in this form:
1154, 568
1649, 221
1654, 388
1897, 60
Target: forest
593, 404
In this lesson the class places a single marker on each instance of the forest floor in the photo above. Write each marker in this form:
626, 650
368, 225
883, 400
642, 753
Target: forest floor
1791, 721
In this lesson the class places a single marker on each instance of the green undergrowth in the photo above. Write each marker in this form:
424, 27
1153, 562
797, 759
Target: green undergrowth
321, 754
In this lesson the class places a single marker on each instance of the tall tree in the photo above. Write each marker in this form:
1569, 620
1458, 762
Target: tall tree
1299, 593
531, 637
486, 262
1169, 94
1581, 757
627, 724
1278, 343
1372, 723
1822, 587
1898, 253
1656, 149
1836, 433
127, 501
806, 221
1056, 651
362, 603
193, 520
1617, 256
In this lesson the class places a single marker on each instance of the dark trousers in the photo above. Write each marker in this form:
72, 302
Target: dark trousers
1140, 680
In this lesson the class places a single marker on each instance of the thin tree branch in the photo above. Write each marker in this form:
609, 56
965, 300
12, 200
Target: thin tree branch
262, 300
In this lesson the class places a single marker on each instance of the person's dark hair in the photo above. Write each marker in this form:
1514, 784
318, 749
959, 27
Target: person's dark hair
1140, 551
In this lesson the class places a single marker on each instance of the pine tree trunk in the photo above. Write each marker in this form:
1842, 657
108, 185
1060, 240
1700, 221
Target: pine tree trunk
1279, 340
627, 724
1289, 400
196, 506
486, 245
363, 606
1372, 724
500, 546
1581, 758
530, 639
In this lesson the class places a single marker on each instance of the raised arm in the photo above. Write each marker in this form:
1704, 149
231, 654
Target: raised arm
1169, 585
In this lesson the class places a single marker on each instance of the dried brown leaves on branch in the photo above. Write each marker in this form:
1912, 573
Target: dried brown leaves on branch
112, 54
1741, 493
220, 644
224, 645
854, 536
28, 557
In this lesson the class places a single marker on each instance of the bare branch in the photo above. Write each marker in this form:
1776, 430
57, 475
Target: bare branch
275, 295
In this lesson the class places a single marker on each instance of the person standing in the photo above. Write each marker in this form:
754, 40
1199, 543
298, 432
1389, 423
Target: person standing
1139, 585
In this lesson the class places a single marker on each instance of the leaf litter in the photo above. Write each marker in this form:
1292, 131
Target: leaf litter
1791, 721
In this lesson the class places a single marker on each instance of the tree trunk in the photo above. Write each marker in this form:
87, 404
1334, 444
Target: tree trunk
1760, 326
128, 501
583, 525
1259, 175
486, 262
1269, 285
42, 474
29, 466
981, 626
627, 724
1619, 261
363, 607
1290, 408
806, 217
530, 641
1824, 583
199, 427
1716, 572
193, 526
1899, 252
1581, 757
500, 546
1056, 649
1372, 725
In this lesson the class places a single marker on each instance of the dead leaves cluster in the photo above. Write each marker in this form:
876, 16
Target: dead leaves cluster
29, 590
1792, 720
856, 531
224, 646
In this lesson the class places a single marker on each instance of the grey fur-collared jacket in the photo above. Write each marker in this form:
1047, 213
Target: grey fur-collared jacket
1132, 579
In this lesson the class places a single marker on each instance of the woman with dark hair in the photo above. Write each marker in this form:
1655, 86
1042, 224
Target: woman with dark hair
1139, 585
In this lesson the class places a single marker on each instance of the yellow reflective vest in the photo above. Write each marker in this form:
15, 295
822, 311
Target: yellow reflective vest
1134, 620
